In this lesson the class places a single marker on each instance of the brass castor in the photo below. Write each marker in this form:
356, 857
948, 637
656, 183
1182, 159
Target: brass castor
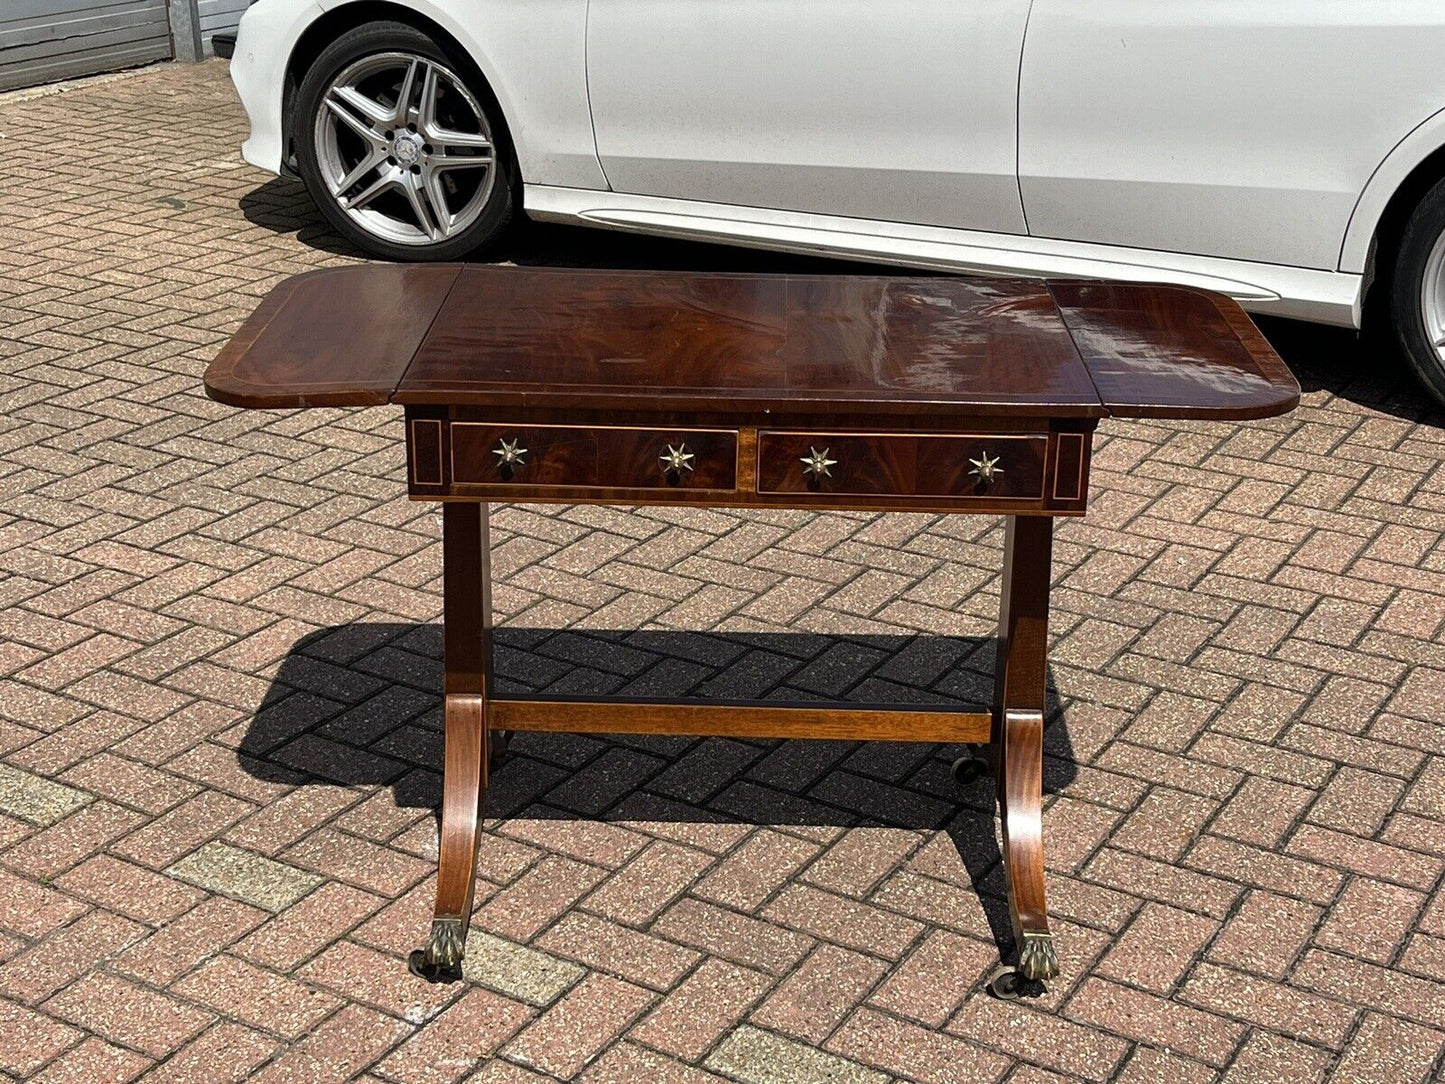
441, 960
1037, 961
1006, 984
972, 766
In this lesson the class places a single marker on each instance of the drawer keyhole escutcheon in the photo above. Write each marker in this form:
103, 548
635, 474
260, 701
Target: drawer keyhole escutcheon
985, 469
511, 456
676, 461
816, 464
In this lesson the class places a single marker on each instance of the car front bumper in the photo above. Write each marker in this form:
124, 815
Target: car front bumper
265, 39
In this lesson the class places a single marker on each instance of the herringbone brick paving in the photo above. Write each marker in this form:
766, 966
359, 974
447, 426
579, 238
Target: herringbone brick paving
219, 737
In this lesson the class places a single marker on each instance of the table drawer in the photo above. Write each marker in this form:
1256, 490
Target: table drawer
903, 465
485, 454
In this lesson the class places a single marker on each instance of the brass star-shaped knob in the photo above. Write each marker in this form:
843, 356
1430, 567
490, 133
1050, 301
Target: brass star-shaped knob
985, 467
817, 463
676, 460
510, 453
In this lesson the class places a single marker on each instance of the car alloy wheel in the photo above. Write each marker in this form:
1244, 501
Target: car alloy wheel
1432, 298
404, 148
1415, 290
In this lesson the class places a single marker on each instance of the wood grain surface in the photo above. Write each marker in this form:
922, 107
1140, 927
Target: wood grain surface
748, 348
919, 472
466, 651
1171, 352
1020, 690
342, 336
748, 343
1019, 755
869, 464
609, 457
780, 720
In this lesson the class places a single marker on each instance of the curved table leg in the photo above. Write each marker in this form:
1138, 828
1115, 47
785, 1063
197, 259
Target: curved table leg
1019, 696
467, 636
464, 791
1020, 800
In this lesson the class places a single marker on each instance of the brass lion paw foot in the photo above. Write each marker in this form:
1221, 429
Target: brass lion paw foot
441, 960
1037, 959
1037, 962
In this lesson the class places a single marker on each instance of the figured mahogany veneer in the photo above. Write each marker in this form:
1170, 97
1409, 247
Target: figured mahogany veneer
748, 346
303, 346
1172, 352
460, 459
925, 394
916, 465
578, 456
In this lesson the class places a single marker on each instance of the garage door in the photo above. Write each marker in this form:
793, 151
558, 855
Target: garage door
45, 40
219, 15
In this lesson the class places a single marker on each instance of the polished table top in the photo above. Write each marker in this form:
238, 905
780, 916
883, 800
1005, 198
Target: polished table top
734, 345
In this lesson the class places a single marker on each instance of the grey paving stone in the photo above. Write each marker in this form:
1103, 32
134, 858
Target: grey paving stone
244, 875
526, 974
760, 1057
35, 799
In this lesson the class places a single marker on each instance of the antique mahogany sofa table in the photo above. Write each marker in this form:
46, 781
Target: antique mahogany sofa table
725, 390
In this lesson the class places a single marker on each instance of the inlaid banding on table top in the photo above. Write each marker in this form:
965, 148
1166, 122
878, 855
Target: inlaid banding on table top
741, 345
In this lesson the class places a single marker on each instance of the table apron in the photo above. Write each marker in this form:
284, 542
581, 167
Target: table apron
1007, 471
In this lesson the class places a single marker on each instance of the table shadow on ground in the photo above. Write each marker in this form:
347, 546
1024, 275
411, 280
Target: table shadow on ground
358, 705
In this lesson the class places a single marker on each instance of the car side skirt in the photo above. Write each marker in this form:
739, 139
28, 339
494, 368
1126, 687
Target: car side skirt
1329, 297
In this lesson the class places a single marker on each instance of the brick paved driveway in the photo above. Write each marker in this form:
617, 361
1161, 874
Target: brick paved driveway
219, 734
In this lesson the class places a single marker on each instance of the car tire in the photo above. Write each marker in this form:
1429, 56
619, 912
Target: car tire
1417, 291
410, 180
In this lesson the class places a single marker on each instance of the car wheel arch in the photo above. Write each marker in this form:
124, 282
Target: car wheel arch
345, 16
1406, 172
1389, 227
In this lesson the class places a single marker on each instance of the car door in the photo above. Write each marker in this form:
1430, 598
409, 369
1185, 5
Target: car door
901, 111
1229, 128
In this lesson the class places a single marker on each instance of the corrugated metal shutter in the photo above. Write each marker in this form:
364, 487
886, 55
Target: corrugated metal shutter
45, 40
219, 15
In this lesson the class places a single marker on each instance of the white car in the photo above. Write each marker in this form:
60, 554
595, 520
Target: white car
1288, 153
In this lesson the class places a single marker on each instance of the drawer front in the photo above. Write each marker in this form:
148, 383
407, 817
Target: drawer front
484, 454
903, 465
